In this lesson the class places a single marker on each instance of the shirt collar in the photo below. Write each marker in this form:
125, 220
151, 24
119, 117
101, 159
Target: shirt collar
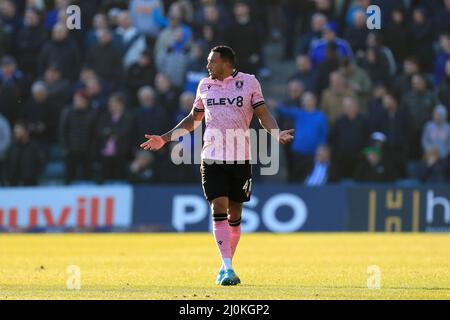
233, 75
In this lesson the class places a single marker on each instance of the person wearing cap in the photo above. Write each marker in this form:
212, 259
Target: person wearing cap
374, 168
437, 132
329, 34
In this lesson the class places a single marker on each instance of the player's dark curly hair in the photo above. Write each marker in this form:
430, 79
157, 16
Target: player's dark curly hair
226, 53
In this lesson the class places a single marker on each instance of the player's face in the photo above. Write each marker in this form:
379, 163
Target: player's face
215, 65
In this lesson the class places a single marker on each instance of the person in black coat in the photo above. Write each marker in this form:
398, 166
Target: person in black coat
62, 51
348, 137
374, 168
114, 137
397, 35
139, 74
105, 58
13, 89
149, 115
244, 36
29, 41
76, 132
396, 126
37, 112
24, 160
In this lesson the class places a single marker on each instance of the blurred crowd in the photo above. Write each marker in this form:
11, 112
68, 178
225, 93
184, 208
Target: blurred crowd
367, 105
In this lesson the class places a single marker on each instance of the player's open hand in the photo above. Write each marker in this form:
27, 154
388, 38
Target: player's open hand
286, 136
154, 143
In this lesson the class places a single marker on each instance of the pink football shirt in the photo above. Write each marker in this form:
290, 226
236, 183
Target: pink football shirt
228, 107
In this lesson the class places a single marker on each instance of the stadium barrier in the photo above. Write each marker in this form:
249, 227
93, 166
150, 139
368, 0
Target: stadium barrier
273, 208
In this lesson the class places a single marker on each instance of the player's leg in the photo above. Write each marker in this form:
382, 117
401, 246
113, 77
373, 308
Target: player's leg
215, 186
221, 230
234, 220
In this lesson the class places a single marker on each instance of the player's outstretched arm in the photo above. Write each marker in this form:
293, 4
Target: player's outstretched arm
269, 123
188, 124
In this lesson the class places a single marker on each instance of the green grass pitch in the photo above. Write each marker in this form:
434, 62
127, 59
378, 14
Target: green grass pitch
184, 266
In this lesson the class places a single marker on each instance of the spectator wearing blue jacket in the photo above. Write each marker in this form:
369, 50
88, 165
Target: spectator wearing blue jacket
318, 49
311, 131
147, 16
441, 58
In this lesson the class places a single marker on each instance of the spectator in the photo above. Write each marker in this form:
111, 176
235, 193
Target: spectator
29, 41
147, 17
60, 51
11, 18
58, 91
295, 90
132, 43
99, 22
358, 80
397, 35
305, 73
395, 124
311, 131
333, 97
13, 87
322, 171
167, 95
51, 18
402, 82
442, 56
196, 69
347, 138
76, 132
114, 134
245, 38
444, 89
375, 109
186, 103
330, 64
357, 32
211, 21
5, 141
437, 132
422, 38
105, 59
141, 169
24, 158
307, 40
38, 112
432, 169
318, 51
419, 102
373, 168
142, 73
442, 17
376, 65
375, 40
149, 116
97, 95
173, 44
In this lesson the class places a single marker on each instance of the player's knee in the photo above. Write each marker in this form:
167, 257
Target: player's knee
219, 205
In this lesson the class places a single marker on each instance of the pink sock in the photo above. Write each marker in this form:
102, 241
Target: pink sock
235, 233
221, 231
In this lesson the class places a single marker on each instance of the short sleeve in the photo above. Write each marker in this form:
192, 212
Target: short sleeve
198, 103
257, 96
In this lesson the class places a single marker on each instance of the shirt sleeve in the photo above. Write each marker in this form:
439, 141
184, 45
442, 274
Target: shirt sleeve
257, 96
198, 103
